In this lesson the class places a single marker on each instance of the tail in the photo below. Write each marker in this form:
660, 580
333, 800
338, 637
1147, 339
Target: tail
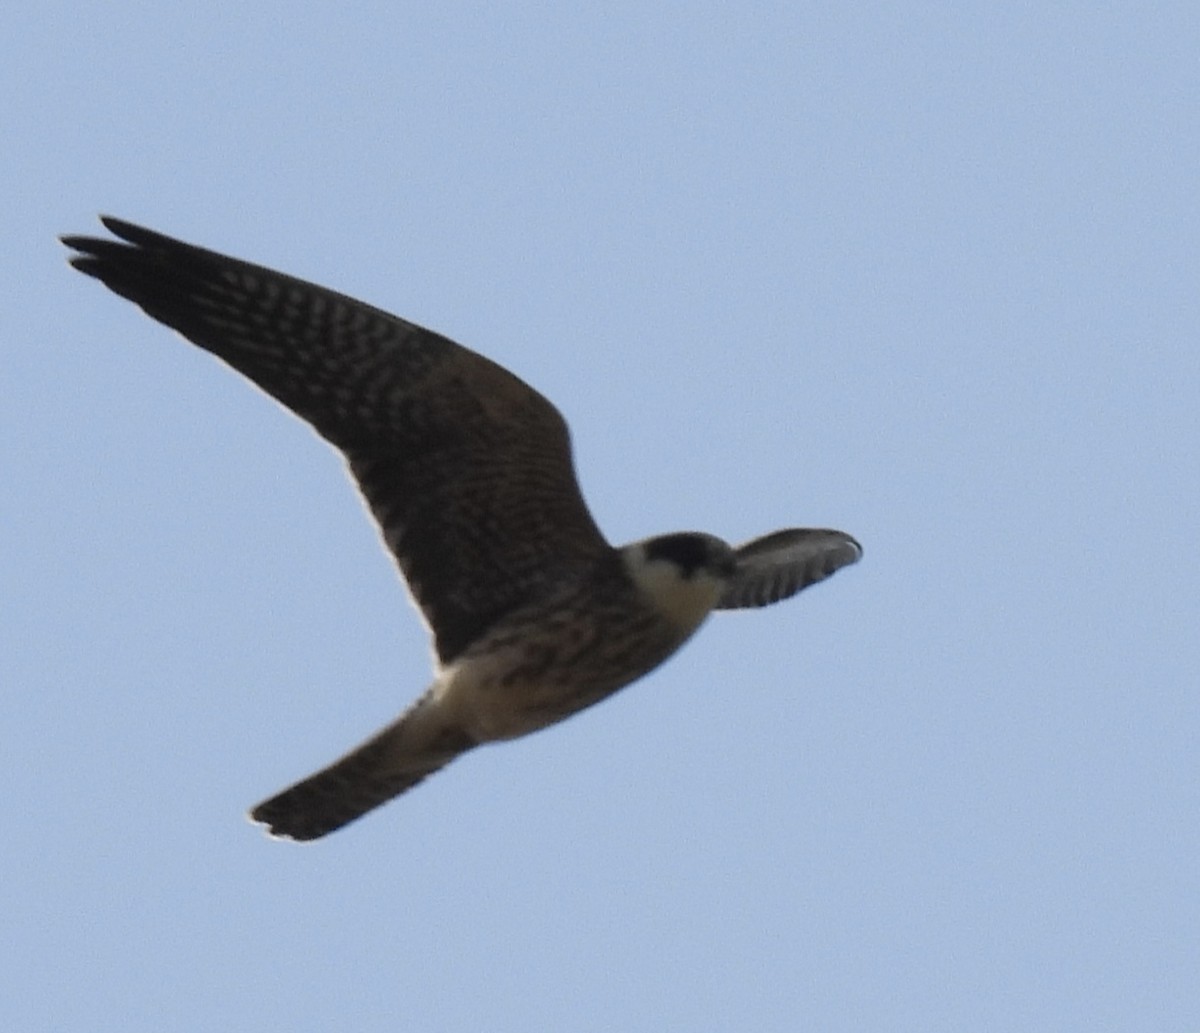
395, 760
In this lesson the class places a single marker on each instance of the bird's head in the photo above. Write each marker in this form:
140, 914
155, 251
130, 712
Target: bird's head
683, 574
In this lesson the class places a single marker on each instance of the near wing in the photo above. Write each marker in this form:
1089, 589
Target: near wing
778, 565
466, 468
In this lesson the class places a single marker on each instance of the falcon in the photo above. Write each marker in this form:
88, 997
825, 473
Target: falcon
468, 473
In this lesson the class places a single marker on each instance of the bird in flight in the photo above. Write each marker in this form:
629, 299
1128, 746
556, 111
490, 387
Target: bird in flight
468, 472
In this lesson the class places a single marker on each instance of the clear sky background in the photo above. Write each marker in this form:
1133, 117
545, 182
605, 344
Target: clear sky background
925, 272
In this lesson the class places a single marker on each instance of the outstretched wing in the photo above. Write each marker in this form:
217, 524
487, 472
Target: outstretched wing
466, 468
778, 565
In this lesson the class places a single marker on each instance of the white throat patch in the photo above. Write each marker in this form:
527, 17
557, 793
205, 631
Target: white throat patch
684, 601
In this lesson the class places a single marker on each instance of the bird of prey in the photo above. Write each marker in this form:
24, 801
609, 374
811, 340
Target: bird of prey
468, 473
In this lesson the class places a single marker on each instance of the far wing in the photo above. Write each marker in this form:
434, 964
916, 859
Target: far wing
780, 564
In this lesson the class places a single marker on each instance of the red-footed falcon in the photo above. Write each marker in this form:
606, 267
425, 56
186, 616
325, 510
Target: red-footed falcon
468, 472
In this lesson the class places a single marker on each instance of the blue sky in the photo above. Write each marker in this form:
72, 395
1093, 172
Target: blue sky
924, 272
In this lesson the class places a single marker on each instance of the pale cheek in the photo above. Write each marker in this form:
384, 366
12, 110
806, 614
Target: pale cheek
687, 603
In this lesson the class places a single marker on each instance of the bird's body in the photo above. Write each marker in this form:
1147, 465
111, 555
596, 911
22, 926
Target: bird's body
468, 472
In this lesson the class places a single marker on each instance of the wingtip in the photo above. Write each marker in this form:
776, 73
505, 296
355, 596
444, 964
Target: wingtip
850, 553
127, 232
85, 245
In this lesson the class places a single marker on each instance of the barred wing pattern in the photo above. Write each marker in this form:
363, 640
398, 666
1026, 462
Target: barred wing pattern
466, 468
778, 565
